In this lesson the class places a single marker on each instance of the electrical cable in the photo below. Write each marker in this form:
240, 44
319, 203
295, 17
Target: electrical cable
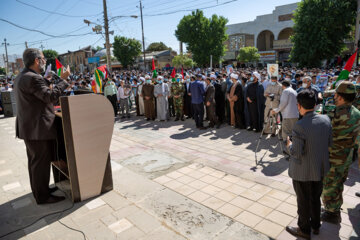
56, 13
46, 34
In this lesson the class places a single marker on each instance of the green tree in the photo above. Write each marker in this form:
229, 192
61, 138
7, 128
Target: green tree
183, 60
126, 50
2, 71
248, 54
320, 29
157, 46
203, 36
50, 55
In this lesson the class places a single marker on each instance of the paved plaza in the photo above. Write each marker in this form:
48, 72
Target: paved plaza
171, 181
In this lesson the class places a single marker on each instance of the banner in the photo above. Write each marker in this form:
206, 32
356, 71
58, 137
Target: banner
273, 70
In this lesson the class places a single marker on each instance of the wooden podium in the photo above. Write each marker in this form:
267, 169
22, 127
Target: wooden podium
84, 131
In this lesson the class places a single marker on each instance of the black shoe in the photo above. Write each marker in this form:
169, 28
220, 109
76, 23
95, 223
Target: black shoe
316, 231
182, 119
148, 119
53, 189
257, 130
218, 125
249, 129
202, 128
357, 194
273, 135
331, 217
52, 199
296, 231
176, 119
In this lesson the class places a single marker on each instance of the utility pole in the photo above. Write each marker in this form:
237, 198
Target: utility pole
26, 46
107, 41
7, 57
142, 29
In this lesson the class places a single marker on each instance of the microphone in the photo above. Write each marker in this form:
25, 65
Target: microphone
55, 76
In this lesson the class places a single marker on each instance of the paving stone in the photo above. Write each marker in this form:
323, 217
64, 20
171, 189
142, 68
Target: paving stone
259, 209
114, 200
242, 202
144, 221
269, 228
225, 195
185, 190
162, 233
269, 201
280, 195
198, 196
280, 218
98, 202
208, 179
11, 186
211, 190
93, 215
120, 226
213, 203
248, 219
230, 210
6, 172
238, 231
249, 194
221, 184
197, 184
288, 209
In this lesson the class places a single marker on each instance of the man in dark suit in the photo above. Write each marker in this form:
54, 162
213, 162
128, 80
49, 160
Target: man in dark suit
35, 121
210, 103
309, 163
187, 97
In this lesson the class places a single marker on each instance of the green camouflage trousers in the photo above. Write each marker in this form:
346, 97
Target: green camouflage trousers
333, 183
178, 105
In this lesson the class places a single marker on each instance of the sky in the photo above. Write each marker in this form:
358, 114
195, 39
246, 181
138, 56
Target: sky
156, 28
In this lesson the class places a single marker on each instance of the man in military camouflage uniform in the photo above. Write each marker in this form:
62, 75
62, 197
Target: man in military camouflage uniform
345, 121
177, 91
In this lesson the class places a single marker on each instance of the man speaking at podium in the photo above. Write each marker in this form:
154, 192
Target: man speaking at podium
35, 121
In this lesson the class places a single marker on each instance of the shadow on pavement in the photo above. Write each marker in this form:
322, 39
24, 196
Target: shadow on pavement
23, 211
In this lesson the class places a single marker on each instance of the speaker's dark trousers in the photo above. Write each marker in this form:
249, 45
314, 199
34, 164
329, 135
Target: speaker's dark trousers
113, 100
198, 114
40, 154
309, 206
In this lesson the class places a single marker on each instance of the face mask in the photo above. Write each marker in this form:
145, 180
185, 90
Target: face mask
273, 83
354, 82
187, 80
178, 80
148, 81
304, 85
159, 81
287, 79
165, 79
251, 79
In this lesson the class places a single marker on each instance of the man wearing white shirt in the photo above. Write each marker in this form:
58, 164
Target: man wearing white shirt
288, 109
122, 97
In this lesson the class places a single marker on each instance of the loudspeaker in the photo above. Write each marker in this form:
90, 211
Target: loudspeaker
7, 97
9, 109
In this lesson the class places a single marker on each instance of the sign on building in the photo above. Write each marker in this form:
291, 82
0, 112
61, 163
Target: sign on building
267, 56
94, 60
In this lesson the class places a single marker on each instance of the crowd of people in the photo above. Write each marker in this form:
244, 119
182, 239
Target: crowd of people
322, 147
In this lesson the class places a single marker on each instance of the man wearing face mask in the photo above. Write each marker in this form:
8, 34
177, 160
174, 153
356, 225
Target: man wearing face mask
345, 120
161, 92
255, 100
177, 91
307, 84
197, 92
272, 94
147, 92
35, 121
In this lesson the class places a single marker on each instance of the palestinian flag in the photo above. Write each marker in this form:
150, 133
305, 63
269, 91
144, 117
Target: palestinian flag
104, 70
173, 73
93, 86
344, 74
153, 69
59, 66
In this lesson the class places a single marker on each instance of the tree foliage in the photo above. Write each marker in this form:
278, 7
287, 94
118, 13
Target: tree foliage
157, 46
50, 56
320, 29
248, 54
183, 61
126, 50
203, 36
2, 71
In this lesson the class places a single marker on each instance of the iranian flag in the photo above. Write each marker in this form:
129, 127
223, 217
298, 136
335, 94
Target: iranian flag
59, 66
101, 73
153, 69
344, 74
173, 75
